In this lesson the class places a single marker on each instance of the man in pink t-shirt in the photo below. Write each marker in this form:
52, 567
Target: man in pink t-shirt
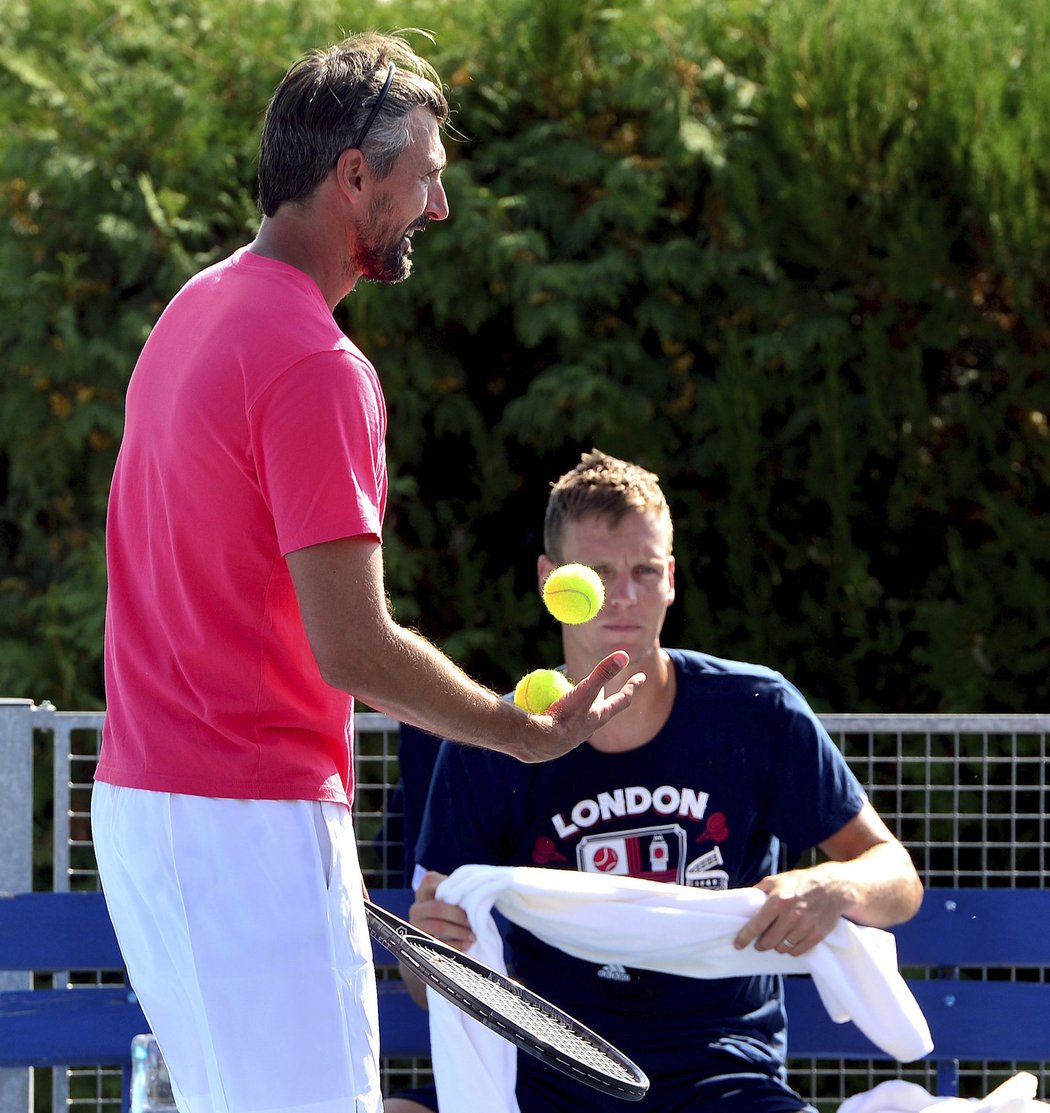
246, 608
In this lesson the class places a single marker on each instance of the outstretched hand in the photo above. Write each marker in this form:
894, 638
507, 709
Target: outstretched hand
579, 713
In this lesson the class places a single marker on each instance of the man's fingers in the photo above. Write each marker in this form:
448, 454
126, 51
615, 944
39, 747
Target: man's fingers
621, 699
444, 921
591, 689
607, 668
428, 885
581, 700
756, 928
580, 712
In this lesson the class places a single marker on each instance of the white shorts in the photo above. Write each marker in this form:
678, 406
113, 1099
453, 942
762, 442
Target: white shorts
243, 930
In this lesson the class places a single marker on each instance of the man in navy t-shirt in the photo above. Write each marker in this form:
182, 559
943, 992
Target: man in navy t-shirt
716, 776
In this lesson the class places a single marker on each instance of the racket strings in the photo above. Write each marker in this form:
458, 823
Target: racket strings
540, 1024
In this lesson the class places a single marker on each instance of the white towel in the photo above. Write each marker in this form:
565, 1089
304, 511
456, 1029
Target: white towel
475, 1070
687, 931
667, 928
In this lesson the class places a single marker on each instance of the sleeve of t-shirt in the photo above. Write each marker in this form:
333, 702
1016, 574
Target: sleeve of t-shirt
812, 791
318, 439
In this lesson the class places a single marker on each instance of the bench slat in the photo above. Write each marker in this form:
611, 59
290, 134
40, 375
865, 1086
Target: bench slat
404, 1029
955, 927
978, 927
68, 1027
72, 931
57, 931
970, 1020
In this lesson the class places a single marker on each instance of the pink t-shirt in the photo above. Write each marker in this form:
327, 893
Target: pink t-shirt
254, 428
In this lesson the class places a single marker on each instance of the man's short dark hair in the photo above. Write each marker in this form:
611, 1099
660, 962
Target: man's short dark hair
601, 486
322, 103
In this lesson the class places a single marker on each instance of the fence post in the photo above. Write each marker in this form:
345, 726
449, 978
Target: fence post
16, 858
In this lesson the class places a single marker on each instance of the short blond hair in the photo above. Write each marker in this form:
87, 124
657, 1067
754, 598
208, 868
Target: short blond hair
603, 486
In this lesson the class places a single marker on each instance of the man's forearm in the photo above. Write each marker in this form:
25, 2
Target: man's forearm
880, 886
403, 675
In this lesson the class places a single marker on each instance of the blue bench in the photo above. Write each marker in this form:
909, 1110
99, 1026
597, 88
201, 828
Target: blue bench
958, 934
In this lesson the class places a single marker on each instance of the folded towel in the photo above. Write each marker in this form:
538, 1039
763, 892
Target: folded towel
666, 928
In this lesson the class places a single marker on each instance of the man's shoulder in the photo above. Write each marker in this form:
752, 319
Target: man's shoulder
692, 664
762, 689
252, 297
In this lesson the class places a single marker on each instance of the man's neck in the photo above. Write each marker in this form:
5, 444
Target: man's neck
648, 712
289, 237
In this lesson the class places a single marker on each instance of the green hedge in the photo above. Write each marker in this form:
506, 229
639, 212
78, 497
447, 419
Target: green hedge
793, 256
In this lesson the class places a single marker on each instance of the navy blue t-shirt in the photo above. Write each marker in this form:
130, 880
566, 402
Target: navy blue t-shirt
741, 771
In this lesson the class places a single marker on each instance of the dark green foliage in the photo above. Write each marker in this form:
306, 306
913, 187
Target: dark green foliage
792, 256
128, 162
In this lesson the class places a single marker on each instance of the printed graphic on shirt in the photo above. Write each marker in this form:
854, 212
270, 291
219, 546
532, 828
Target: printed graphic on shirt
652, 853
715, 829
674, 839
636, 800
702, 872
545, 851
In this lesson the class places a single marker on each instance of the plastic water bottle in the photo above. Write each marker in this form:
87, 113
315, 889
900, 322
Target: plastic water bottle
150, 1085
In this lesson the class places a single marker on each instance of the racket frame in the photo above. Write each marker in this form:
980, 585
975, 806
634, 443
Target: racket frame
404, 941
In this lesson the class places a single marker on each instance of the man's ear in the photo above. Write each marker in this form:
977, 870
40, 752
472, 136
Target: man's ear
670, 580
544, 567
352, 175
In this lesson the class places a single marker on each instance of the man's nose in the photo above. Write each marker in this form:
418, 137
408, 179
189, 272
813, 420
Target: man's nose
620, 588
437, 202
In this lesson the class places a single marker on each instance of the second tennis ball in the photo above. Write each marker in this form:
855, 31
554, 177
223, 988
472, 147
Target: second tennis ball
536, 691
574, 593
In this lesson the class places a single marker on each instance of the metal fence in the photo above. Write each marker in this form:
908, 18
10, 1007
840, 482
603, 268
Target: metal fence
968, 795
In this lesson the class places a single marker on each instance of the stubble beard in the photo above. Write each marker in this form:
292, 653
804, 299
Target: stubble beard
379, 256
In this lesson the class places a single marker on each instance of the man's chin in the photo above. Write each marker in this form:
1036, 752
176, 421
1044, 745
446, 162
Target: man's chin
389, 267
390, 275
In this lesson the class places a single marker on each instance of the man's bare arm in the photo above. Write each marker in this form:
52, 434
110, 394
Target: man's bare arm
868, 878
360, 649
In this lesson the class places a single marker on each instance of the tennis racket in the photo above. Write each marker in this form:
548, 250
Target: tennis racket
518, 1015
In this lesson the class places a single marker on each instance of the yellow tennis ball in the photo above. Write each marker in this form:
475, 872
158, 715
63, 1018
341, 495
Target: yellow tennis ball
574, 593
537, 690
